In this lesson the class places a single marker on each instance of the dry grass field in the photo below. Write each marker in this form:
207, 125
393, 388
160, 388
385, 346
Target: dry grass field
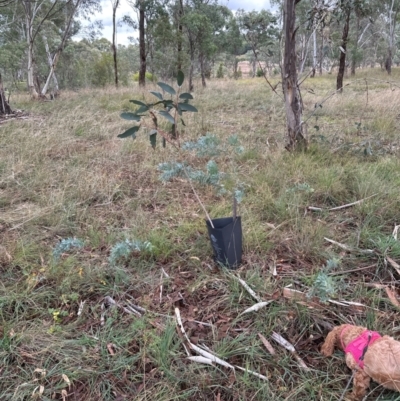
71, 193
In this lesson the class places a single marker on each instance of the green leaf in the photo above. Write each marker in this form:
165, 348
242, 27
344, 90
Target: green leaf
166, 103
168, 116
130, 116
130, 132
180, 78
166, 88
183, 123
142, 109
153, 138
185, 95
187, 107
157, 94
138, 102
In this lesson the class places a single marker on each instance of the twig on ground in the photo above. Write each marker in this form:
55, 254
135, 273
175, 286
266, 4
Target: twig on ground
395, 231
248, 289
200, 359
347, 386
161, 286
208, 355
333, 209
111, 302
392, 296
351, 271
253, 373
394, 264
348, 248
267, 344
256, 307
81, 305
286, 344
102, 315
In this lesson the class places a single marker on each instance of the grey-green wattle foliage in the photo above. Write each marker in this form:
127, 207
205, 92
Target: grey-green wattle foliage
211, 176
123, 249
171, 105
65, 245
324, 286
210, 146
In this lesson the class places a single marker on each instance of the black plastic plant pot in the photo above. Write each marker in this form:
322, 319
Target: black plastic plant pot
226, 241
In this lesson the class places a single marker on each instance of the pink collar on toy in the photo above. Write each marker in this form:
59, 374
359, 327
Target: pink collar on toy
358, 347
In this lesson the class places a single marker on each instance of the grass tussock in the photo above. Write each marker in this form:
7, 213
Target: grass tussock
65, 177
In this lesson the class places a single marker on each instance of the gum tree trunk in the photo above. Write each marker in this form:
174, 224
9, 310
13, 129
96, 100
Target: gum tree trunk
4, 106
293, 104
342, 59
115, 5
203, 74
180, 35
142, 46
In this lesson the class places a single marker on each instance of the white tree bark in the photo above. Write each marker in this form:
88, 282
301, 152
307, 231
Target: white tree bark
53, 62
53, 74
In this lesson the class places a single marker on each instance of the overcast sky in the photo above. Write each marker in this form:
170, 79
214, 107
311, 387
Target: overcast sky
123, 32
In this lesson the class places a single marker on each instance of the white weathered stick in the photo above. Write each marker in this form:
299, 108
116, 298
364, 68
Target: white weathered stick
248, 289
200, 359
102, 315
133, 310
256, 307
81, 305
253, 373
138, 308
333, 209
286, 344
180, 324
395, 231
281, 341
210, 356
394, 264
348, 248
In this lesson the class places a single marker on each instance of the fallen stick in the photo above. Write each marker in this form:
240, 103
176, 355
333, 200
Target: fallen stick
333, 209
205, 355
111, 302
348, 248
351, 271
394, 264
253, 373
395, 230
286, 344
256, 307
267, 344
248, 289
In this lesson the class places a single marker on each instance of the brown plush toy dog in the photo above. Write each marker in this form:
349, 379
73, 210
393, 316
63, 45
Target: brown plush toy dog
368, 354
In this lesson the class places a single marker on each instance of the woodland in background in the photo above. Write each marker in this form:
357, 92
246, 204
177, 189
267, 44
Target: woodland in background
203, 38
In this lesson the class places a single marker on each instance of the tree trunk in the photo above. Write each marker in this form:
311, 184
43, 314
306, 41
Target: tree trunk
52, 73
293, 105
388, 62
315, 53
342, 59
354, 58
53, 62
321, 53
142, 47
203, 74
4, 106
191, 86
114, 40
180, 35
31, 61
